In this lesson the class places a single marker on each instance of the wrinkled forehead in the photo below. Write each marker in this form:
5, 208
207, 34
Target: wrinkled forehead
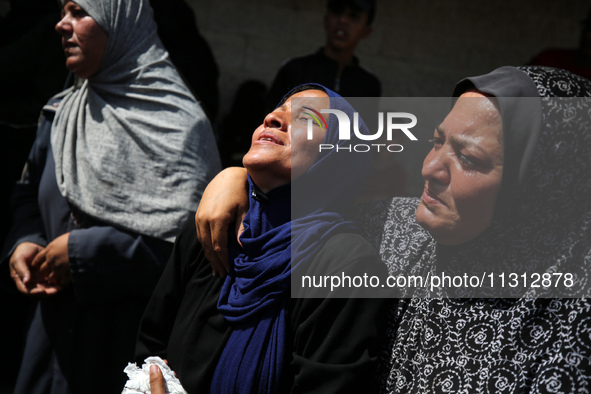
481, 106
314, 98
301, 92
100, 11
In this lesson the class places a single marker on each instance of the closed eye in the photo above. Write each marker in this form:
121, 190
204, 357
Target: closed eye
437, 142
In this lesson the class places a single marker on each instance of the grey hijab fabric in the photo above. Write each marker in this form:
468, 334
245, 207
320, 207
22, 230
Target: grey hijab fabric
492, 345
132, 146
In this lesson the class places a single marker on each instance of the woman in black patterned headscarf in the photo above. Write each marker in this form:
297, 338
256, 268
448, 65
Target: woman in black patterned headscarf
540, 222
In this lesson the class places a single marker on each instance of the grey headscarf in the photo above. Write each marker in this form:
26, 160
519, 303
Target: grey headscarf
132, 146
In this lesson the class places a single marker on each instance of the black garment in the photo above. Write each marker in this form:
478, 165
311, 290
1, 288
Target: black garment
335, 342
354, 81
80, 339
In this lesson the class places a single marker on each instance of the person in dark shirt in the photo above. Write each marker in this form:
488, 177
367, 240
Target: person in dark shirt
335, 65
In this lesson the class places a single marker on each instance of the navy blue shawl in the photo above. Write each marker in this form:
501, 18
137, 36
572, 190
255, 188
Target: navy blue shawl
256, 294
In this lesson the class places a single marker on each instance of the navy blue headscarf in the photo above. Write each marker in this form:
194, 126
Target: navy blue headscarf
280, 235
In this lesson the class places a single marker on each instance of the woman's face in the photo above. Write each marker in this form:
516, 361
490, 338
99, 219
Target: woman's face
271, 161
84, 41
463, 172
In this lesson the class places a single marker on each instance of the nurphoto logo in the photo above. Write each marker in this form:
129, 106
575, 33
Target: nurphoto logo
392, 123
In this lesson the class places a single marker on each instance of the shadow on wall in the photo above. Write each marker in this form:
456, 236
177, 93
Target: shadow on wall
189, 51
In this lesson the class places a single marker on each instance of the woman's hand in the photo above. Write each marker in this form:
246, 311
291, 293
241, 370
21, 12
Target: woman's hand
20, 263
225, 201
157, 385
53, 263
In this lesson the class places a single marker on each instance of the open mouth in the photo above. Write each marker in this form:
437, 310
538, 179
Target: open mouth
269, 137
340, 33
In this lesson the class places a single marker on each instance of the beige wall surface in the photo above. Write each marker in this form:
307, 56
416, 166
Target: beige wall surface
417, 48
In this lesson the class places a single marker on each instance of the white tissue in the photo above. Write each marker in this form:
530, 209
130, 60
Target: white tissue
139, 379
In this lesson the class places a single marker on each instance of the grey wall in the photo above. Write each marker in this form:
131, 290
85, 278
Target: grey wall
417, 48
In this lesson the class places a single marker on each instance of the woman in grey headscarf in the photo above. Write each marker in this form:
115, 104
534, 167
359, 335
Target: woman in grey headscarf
120, 161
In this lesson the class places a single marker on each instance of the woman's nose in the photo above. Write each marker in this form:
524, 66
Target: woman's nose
277, 120
343, 18
435, 167
63, 27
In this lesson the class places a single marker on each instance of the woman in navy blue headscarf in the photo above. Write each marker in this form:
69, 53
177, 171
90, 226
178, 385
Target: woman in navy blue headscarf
246, 333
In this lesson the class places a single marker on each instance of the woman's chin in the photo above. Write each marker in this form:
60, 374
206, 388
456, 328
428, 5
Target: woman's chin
425, 217
435, 226
268, 181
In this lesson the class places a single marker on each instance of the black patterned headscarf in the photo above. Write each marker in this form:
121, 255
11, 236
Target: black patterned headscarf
543, 213
526, 344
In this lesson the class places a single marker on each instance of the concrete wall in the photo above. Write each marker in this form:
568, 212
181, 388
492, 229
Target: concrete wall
417, 48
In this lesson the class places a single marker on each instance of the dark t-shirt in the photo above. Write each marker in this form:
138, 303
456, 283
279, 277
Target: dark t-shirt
354, 81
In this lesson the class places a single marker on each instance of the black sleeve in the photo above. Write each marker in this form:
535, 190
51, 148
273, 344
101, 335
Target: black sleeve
337, 341
26, 217
127, 263
161, 311
181, 322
